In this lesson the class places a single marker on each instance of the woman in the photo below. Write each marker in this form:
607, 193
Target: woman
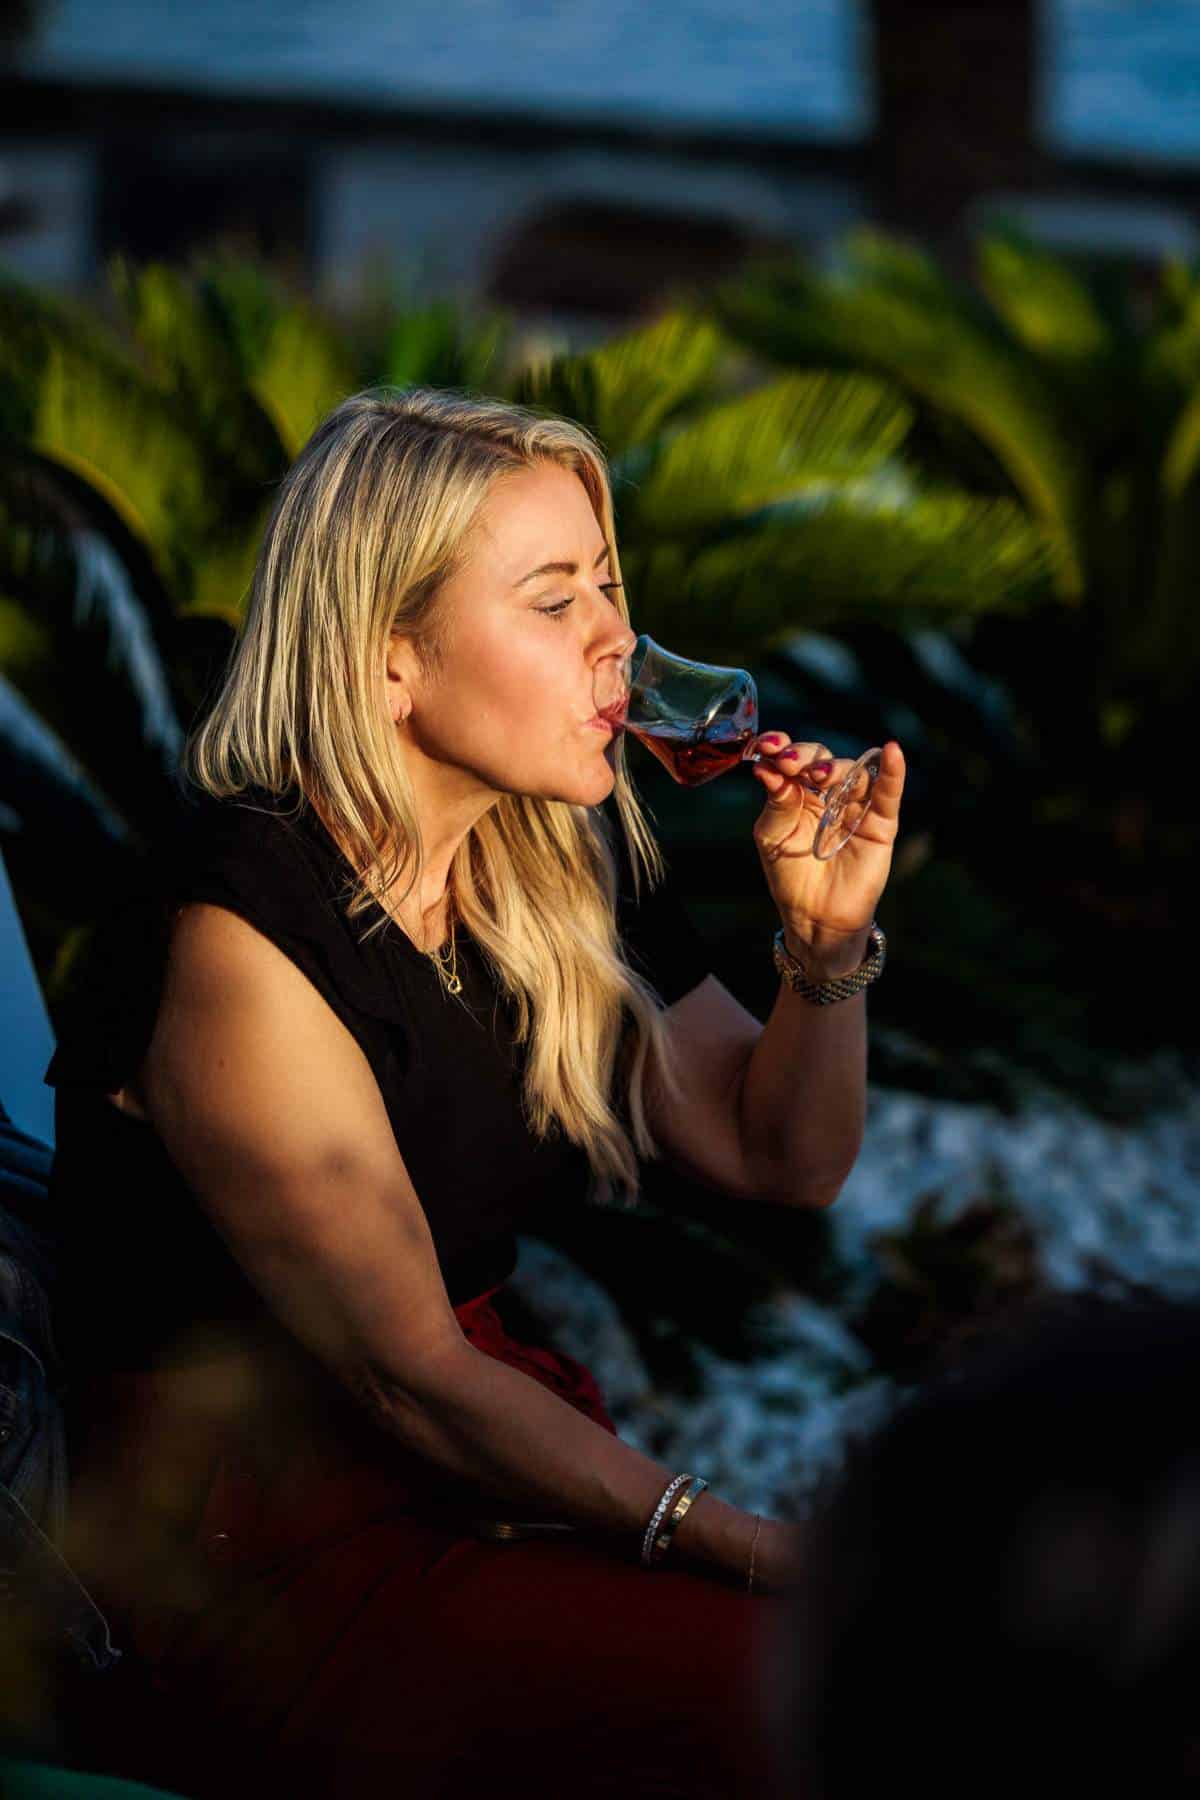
396, 993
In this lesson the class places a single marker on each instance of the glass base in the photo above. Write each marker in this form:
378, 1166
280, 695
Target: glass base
847, 806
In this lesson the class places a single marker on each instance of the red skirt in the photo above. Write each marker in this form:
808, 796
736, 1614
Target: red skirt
310, 1608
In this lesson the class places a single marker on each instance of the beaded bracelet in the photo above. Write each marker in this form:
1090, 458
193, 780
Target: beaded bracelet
662, 1542
656, 1518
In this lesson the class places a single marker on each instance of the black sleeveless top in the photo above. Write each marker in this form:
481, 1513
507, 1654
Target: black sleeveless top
141, 1262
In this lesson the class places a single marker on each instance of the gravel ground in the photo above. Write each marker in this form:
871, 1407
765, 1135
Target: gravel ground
1108, 1204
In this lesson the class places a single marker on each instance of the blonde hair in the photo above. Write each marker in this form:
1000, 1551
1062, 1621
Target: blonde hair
369, 522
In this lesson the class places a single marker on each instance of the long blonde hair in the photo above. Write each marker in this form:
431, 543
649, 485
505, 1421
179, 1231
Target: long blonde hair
369, 522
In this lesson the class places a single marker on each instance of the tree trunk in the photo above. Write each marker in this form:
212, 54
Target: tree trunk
955, 85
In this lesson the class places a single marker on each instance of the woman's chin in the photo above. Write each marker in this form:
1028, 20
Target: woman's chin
592, 785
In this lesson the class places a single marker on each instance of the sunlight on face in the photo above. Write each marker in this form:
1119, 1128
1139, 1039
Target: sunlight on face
512, 704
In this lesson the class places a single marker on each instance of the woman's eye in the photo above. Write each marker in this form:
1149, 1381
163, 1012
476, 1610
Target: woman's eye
559, 608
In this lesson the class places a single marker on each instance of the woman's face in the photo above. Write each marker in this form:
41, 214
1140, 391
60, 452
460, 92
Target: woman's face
511, 704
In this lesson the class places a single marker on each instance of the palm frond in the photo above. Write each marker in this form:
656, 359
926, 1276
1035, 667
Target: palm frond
80, 647
107, 616
247, 299
88, 409
863, 549
1158, 640
1045, 304
223, 572
186, 338
1181, 457
801, 434
304, 372
1078, 334
1172, 351
293, 362
442, 346
884, 309
48, 787
626, 391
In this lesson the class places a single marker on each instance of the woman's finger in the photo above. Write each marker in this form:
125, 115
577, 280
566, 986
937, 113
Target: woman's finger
889, 783
796, 755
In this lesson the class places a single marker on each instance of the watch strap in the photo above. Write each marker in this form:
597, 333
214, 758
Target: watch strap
840, 987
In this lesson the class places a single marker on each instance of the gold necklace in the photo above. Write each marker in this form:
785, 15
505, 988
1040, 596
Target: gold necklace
450, 960
445, 958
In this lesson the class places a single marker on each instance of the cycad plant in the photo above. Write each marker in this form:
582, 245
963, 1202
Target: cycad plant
769, 517
138, 459
139, 462
1073, 394
867, 532
1077, 396
761, 515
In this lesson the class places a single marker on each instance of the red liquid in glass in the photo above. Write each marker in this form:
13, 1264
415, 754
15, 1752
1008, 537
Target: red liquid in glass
689, 759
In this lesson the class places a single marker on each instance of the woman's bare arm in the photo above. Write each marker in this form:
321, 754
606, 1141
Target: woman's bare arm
269, 1109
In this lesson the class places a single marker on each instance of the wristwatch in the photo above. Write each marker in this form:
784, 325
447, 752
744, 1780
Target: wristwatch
841, 987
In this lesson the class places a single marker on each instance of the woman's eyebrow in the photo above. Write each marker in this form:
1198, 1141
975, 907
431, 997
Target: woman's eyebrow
559, 568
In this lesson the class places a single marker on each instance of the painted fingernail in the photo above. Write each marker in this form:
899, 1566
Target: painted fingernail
820, 770
789, 755
771, 737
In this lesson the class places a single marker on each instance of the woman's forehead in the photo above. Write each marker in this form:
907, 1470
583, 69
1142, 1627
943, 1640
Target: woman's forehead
534, 518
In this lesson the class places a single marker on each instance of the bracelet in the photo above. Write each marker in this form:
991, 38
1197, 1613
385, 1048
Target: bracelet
840, 987
753, 1548
662, 1543
659, 1513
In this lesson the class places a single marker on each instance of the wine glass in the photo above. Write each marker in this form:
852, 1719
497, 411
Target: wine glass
699, 720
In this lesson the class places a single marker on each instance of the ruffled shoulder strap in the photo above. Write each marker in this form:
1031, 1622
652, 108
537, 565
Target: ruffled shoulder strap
258, 856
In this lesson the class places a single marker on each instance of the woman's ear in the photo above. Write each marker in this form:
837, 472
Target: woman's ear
398, 678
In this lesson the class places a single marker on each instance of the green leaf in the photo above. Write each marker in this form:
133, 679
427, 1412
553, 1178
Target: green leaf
44, 778
24, 642
87, 408
1045, 304
293, 361
862, 550
1159, 642
805, 433
1173, 339
224, 571
884, 308
79, 644
193, 357
442, 346
626, 391
303, 374
248, 300
123, 440
1181, 457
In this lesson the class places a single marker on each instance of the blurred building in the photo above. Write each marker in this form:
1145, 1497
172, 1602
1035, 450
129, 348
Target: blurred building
578, 163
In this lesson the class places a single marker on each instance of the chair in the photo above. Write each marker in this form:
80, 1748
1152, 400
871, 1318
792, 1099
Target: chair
27, 1043
26, 1153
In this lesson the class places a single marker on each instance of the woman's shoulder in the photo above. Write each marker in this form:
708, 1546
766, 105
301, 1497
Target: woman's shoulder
252, 854
254, 826
259, 852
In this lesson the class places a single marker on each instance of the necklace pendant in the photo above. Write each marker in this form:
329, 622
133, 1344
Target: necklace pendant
454, 985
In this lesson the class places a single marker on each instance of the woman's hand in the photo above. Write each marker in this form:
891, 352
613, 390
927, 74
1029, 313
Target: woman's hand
826, 907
